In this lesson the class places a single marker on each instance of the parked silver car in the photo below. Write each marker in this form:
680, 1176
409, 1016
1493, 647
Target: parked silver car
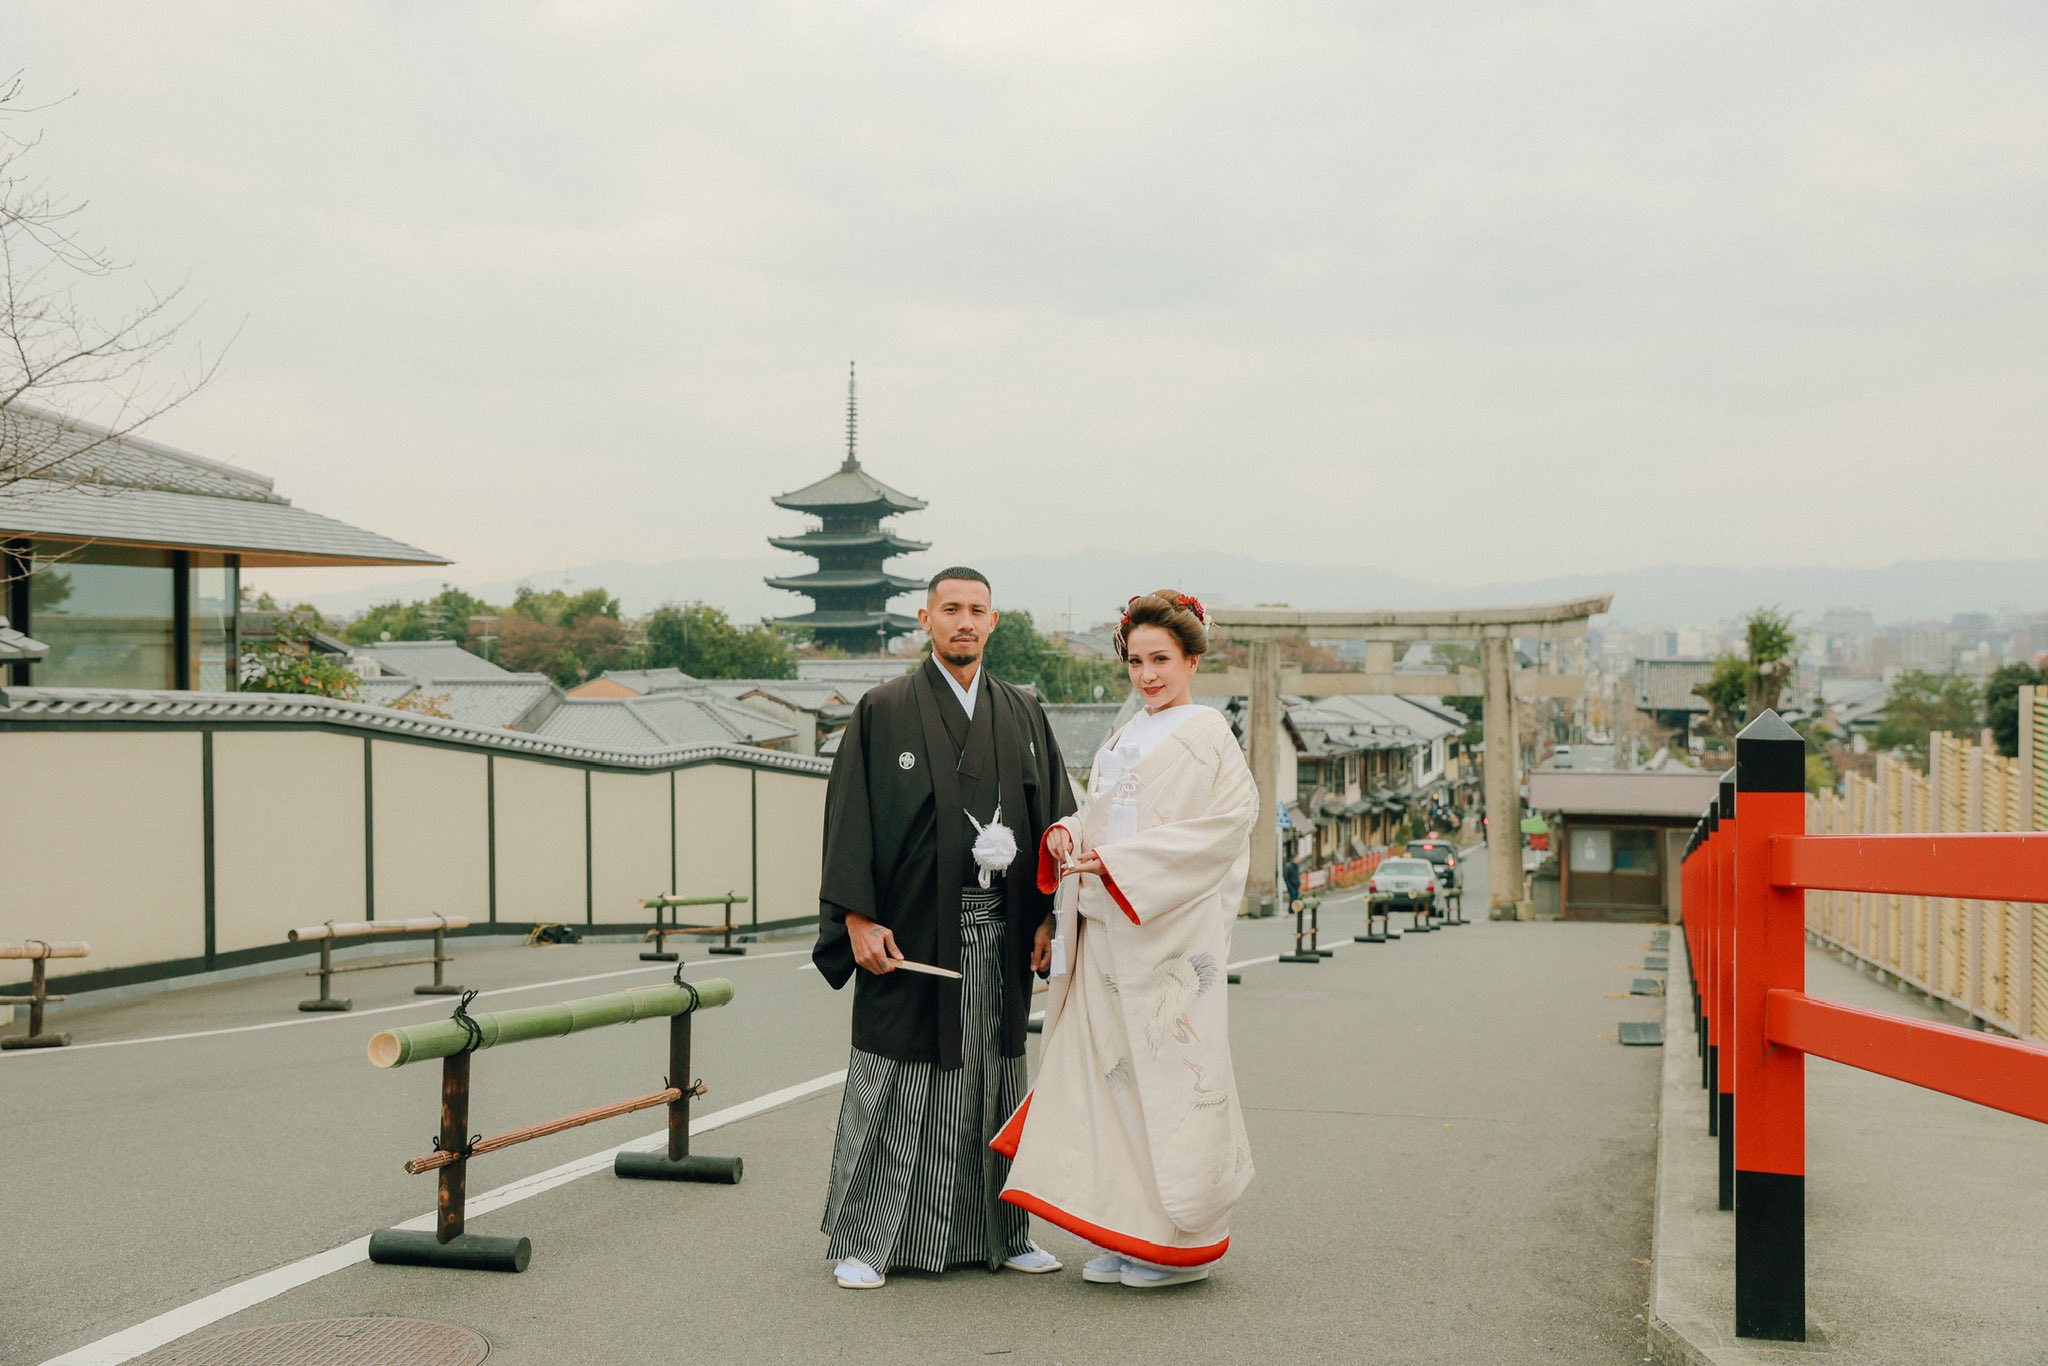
1404, 884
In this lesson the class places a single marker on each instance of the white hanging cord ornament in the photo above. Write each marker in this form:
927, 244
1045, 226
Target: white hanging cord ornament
995, 847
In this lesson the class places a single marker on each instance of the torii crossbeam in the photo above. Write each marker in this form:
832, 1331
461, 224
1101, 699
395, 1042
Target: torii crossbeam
1495, 629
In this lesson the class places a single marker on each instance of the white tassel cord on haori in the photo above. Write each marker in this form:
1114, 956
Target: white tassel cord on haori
995, 846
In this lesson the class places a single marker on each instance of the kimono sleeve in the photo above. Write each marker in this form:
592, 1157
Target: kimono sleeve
846, 884
1059, 809
1174, 863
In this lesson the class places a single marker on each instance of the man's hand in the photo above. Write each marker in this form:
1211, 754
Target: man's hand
874, 946
1059, 842
1041, 948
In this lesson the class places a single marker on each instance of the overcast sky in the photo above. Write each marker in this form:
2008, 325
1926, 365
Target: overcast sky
1544, 288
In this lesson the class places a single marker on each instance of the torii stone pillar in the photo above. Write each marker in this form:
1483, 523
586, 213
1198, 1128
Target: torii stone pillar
1503, 776
1265, 629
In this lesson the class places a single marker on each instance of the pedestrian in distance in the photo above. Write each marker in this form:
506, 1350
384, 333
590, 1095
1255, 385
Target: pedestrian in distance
1133, 1136
941, 777
1291, 874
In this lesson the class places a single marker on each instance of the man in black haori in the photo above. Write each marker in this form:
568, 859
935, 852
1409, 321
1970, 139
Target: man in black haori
942, 776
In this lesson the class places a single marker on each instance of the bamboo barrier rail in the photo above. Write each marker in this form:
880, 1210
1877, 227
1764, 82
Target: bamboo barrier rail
39, 952
660, 933
1988, 959
455, 1040
327, 932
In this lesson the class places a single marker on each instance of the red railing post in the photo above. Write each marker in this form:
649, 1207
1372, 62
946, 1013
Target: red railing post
1710, 975
1730, 821
1770, 1122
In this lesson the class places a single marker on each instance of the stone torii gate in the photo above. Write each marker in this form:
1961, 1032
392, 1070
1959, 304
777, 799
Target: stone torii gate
1266, 629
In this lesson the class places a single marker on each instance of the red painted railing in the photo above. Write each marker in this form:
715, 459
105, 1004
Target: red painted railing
1746, 872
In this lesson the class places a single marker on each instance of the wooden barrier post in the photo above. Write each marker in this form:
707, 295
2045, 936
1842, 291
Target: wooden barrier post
1375, 909
327, 932
676, 1162
39, 952
1770, 1122
1304, 937
660, 933
454, 1040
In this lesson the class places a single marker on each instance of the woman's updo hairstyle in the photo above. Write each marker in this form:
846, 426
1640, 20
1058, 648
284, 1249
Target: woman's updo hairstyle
1178, 613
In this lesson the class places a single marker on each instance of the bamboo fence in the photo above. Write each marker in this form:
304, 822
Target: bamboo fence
1986, 958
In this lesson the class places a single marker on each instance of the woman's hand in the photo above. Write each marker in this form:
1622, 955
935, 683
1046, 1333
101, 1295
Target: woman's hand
874, 946
1090, 862
1059, 842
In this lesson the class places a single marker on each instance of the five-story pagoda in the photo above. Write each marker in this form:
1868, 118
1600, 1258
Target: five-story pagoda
850, 588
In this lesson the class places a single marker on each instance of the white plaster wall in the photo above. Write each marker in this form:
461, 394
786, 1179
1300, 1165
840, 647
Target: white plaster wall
629, 841
288, 833
102, 840
432, 826
714, 847
792, 815
540, 842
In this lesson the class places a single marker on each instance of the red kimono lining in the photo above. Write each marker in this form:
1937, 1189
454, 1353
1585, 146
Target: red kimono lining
1158, 1254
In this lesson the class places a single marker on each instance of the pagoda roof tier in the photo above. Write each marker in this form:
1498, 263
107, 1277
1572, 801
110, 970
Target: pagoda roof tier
849, 489
851, 621
827, 579
849, 540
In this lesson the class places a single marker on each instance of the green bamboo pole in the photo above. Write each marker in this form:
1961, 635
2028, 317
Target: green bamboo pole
444, 1038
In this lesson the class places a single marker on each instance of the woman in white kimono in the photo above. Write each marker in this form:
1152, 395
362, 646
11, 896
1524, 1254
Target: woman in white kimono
1133, 1137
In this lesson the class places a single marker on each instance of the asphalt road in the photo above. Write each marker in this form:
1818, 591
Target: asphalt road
1455, 1163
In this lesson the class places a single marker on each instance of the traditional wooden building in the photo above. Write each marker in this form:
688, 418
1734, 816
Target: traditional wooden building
851, 587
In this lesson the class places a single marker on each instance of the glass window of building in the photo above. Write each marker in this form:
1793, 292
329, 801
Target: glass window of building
215, 594
108, 615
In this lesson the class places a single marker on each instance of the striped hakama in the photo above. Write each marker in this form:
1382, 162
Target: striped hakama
914, 1182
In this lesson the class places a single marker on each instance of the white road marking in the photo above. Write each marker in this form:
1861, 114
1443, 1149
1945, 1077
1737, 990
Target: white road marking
332, 1017
151, 1334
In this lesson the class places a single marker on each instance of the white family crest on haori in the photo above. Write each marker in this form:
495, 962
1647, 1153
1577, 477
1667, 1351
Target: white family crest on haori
995, 845
906, 760
1134, 1134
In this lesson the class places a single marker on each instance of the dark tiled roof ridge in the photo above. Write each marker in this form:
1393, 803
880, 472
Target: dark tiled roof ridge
258, 487
32, 704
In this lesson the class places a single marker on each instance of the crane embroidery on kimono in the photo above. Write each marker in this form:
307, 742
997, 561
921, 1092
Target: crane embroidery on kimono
1175, 986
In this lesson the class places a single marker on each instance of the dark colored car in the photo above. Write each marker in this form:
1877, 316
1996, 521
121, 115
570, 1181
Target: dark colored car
1444, 855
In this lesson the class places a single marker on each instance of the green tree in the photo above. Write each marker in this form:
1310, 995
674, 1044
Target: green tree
558, 608
1921, 703
2002, 703
290, 664
703, 642
445, 616
1017, 653
1743, 687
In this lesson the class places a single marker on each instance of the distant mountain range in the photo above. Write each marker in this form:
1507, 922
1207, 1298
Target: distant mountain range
1089, 589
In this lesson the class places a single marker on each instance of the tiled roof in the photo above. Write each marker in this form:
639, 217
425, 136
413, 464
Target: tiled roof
504, 701
93, 485
1081, 727
846, 488
442, 659
661, 720
794, 692
851, 670
144, 706
16, 646
644, 681
1667, 684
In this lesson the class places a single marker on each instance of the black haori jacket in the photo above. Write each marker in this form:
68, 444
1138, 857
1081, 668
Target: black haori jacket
893, 819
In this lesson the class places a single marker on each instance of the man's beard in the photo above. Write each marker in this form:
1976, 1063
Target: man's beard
953, 655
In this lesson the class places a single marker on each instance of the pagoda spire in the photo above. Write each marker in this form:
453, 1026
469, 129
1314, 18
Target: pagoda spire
852, 461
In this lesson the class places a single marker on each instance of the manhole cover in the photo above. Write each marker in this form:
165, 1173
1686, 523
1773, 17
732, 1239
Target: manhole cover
372, 1341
